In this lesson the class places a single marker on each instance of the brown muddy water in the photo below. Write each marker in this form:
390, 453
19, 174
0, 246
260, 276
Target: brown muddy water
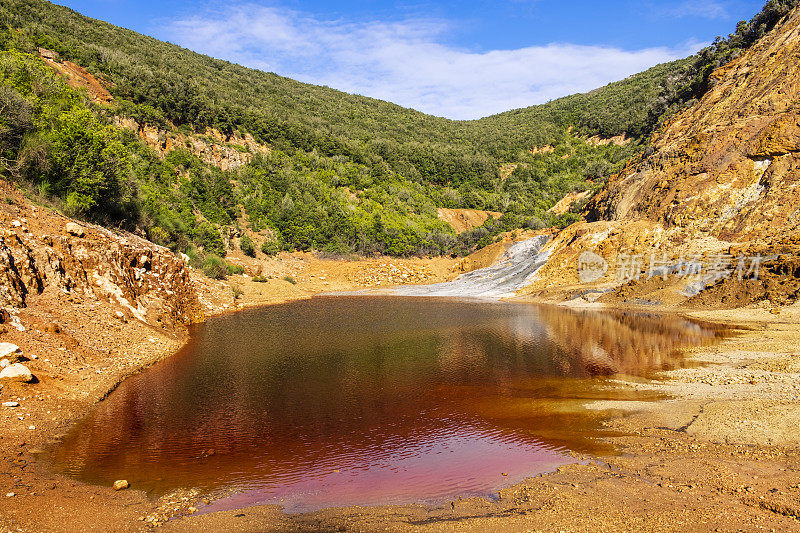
370, 400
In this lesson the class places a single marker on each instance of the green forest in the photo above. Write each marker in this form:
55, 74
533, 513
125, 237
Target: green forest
344, 174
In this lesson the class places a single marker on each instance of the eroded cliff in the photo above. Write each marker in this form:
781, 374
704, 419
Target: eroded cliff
719, 185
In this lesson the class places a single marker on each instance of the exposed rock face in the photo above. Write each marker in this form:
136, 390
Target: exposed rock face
728, 166
214, 148
147, 280
465, 219
564, 205
722, 178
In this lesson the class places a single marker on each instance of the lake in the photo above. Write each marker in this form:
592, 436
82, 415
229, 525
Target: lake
356, 400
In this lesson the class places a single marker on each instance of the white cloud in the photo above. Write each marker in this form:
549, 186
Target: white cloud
407, 62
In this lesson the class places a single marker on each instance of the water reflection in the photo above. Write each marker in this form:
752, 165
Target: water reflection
369, 400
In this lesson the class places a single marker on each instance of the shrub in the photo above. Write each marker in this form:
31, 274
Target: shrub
270, 247
237, 292
210, 239
247, 247
259, 279
159, 236
290, 279
215, 267
235, 269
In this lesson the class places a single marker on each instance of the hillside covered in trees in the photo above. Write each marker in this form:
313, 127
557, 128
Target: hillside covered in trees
341, 173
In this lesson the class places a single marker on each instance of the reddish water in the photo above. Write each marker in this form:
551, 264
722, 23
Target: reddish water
344, 401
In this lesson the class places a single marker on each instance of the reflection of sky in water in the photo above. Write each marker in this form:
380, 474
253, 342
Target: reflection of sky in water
368, 400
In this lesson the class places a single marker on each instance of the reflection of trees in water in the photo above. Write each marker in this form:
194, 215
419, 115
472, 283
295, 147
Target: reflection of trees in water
557, 341
622, 343
274, 413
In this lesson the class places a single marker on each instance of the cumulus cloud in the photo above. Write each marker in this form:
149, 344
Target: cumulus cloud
408, 62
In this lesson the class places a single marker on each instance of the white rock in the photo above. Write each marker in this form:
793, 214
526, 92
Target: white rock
17, 324
17, 372
74, 229
16, 223
4, 363
7, 349
10, 495
10, 404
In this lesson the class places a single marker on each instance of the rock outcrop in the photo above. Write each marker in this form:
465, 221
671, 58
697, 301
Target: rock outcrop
49, 252
226, 152
721, 180
728, 166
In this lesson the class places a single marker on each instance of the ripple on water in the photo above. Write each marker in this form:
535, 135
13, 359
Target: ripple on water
358, 401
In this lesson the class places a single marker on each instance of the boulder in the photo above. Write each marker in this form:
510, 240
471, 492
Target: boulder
17, 372
121, 484
4, 363
9, 350
75, 229
10, 404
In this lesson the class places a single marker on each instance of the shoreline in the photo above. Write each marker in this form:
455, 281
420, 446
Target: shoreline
137, 511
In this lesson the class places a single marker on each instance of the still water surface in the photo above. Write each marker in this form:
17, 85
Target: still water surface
370, 400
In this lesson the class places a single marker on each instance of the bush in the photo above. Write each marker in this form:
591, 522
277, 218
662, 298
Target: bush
290, 279
270, 247
247, 247
215, 267
235, 269
210, 239
159, 236
259, 279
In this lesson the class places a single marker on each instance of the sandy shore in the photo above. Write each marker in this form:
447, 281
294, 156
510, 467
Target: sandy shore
721, 454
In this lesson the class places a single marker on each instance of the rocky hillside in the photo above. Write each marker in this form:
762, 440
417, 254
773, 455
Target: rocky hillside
719, 185
727, 167
44, 254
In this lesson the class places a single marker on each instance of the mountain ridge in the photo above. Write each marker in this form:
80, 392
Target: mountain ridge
378, 171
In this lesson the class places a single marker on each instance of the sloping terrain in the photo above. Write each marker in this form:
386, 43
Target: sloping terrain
718, 186
514, 270
314, 168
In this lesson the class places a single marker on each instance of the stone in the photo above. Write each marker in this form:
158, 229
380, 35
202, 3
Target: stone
10, 404
17, 372
16, 223
121, 484
8, 350
75, 229
4, 363
10, 495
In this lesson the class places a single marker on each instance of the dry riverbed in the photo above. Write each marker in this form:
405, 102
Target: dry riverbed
722, 453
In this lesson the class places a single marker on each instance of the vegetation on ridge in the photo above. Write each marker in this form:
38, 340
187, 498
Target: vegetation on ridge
344, 173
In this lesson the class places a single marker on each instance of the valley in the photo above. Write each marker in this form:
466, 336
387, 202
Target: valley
139, 207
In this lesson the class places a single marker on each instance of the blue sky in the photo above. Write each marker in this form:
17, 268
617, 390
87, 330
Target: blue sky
462, 59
